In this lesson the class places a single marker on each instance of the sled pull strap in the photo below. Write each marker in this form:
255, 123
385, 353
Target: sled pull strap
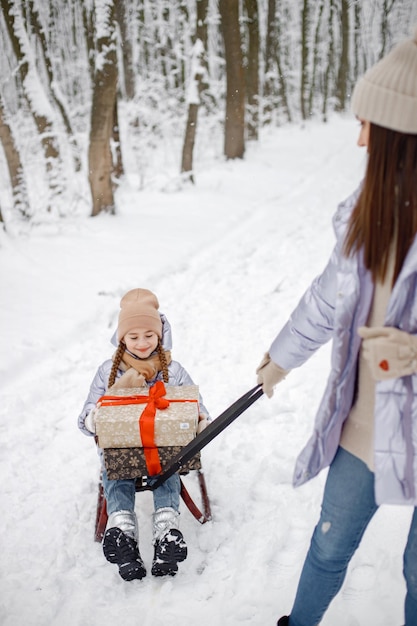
208, 434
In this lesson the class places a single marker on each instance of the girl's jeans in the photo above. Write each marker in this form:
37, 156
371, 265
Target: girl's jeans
348, 506
120, 494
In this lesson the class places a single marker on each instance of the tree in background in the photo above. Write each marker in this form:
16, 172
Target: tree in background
14, 165
234, 131
66, 112
35, 97
252, 68
104, 103
198, 82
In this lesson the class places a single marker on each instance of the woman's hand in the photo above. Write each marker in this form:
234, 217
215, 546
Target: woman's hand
390, 352
269, 375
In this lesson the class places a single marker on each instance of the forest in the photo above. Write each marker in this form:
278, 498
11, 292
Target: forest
88, 86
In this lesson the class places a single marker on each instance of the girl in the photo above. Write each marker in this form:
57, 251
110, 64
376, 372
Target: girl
142, 357
366, 302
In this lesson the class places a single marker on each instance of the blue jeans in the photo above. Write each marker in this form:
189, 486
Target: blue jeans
347, 508
120, 494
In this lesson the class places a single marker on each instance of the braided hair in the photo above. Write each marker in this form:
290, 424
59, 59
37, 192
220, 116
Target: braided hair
116, 362
163, 360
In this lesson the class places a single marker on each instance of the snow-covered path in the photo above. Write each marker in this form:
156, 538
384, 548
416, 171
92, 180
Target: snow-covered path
228, 259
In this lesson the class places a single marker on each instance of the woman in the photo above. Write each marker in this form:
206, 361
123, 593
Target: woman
366, 302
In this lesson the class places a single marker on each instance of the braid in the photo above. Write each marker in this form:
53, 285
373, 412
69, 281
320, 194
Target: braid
162, 358
116, 362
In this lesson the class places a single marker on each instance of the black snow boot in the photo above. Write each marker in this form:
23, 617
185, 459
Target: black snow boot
283, 621
170, 547
169, 551
123, 550
120, 545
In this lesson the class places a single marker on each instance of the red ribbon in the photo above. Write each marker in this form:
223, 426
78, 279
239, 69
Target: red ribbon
147, 426
153, 401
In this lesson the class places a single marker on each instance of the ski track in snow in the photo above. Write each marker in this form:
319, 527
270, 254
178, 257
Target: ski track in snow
228, 259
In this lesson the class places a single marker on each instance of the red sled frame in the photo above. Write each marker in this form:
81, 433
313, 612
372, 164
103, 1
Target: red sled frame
201, 516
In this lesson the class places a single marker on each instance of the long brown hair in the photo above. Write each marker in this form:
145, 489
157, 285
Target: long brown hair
386, 210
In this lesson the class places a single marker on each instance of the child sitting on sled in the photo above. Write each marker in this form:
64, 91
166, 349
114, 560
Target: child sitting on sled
142, 357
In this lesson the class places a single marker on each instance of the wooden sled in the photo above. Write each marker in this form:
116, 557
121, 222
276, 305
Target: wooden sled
180, 460
201, 516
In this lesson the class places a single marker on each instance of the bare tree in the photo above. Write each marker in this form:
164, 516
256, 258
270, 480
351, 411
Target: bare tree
103, 111
16, 173
234, 140
330, 61
33, 92
197, 85
269, 77
122, 16
304, 59
55, 96
252, 68
313, 82
343, 73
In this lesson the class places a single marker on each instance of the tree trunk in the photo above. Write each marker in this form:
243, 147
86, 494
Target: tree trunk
198, 84
386, 10
102, 115
315, 59
17, 179
304, 59
40, 33
343, 73
118, 168
234, 142
128, 85
89, 39
282, 80
252, 70
356, 41
32, 88
269, 78
330, 62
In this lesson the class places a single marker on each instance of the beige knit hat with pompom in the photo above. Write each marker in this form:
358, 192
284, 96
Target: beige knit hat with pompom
386, 94
139, 309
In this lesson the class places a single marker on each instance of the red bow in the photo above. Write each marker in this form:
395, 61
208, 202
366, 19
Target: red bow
155, 401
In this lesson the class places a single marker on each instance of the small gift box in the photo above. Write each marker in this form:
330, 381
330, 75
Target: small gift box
124, 463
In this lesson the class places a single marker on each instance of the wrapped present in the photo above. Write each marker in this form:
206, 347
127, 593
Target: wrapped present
125, 418
146, 420
126, 463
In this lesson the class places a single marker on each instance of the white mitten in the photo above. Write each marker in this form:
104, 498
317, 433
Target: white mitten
90, 421
131, 378
202, 424
390, 352
269, 375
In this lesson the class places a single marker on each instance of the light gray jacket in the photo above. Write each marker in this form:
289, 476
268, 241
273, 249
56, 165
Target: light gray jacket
177, 376
334, 306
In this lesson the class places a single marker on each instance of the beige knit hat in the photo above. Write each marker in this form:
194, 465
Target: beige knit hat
139, 308
387, 93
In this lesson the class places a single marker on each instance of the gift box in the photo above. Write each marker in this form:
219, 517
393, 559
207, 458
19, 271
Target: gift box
148, 417
128, 463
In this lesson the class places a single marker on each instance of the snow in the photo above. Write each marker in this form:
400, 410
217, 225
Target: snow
228, 259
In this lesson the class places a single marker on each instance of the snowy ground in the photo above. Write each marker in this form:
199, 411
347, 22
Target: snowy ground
228, 259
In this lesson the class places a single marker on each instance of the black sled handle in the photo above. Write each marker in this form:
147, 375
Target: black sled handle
208, 434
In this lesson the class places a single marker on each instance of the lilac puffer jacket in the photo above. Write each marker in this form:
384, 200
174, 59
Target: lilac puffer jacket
334, 306
178, 376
